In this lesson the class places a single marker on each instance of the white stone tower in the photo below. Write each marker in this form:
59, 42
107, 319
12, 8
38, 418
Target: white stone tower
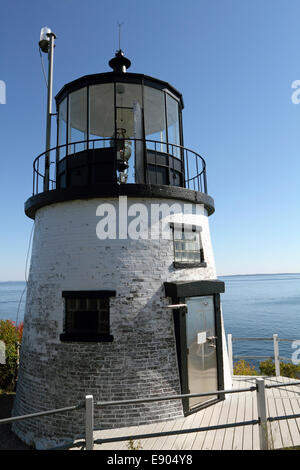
121, 233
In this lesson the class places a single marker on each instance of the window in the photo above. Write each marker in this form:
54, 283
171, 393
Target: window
173, 125
101, 114
77, 122
188, 249
155, 119
62, 127
87, 316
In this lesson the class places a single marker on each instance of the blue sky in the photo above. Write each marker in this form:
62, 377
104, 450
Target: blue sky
234, 62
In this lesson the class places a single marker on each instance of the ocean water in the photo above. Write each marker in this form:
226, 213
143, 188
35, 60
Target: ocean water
252, 305
260, 306
12, 300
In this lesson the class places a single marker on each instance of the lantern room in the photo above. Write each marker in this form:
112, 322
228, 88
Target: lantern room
122, 128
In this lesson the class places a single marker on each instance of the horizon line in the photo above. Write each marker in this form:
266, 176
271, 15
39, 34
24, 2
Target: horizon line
257, 274
220, 275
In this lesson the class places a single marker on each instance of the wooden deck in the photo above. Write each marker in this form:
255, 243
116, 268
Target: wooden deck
237, 407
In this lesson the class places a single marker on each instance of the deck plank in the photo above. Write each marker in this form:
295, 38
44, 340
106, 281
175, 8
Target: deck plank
200, 436
143, 429
215, 420
196, 423
275, 439
255, 434
229, 434
248, 416
219, 437
169, 440
200, 419
149, 443
239, 432
284, 425
116, 432
236, 407
161, 440
180, 439
287, 396
220, 433
231, 418
295, 404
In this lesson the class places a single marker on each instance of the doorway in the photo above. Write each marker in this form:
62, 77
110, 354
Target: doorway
201, 338
198, 335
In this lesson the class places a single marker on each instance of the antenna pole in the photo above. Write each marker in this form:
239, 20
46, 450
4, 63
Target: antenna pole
120, 25
49, 108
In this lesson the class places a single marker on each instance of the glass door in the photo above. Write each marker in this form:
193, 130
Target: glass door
201, 348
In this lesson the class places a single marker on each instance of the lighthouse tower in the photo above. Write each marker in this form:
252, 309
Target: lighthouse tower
123, 300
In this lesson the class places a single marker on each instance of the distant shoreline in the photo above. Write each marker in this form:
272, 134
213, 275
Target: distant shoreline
14, 282
257, 274
220, 275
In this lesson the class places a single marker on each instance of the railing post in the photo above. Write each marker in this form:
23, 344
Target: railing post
262, 413
205, 180
89, 422
230, 356
276, 355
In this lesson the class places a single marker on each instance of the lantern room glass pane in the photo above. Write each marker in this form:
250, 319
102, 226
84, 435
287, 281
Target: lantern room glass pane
62, 126
102, 117
173, 125
77, 119
128, 94
129, 125
128, 104
155, 118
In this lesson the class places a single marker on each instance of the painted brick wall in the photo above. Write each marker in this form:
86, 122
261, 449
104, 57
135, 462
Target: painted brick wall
141, 361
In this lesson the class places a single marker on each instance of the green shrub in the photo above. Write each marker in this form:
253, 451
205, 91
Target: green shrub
286, 369
11, 335
244, 368
267, 368
131, 445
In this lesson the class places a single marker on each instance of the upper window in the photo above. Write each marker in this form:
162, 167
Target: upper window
155, 119
173, 126
188, 249
62, 126
101, 114
77, 122
87, 316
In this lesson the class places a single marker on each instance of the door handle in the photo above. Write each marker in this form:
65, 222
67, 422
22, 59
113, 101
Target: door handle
211, 341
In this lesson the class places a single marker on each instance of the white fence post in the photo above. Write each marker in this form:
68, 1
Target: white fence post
230, 356
89, 422
262, 413
276, 355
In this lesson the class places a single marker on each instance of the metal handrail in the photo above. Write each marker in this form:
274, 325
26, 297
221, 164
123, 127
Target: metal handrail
276, 355
260, 339
174, 397
42, 413
196, 180
261, 421
124, 402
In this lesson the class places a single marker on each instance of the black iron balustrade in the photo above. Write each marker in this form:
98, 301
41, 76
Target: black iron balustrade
160, 163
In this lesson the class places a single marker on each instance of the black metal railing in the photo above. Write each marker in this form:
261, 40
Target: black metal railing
89, 404
159, 163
